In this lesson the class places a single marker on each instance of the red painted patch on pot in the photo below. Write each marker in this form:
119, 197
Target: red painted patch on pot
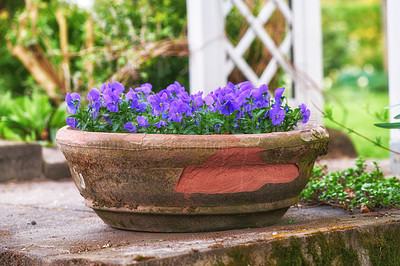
234, 170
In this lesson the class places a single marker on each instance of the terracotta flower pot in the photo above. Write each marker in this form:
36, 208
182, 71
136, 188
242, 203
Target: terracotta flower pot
187, 183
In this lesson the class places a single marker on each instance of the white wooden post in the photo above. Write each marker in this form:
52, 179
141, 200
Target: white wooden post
206, 36
393, 43
307, 55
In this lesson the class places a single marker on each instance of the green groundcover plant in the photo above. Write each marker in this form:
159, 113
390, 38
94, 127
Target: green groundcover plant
353, 188
234, 109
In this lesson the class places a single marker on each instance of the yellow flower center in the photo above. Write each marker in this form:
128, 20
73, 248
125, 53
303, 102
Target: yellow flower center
160, 104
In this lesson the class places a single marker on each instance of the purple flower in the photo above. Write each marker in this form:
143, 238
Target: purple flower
277, 114
209, 100
306, 113
175, 115
217, 127
132, 95
111, 95
246, 85
159, 102
108, 120
142, 121
175, 88
160, 124
278, 95
145, 88
72, 122
73, 101
95, 102
228, 108
130, 127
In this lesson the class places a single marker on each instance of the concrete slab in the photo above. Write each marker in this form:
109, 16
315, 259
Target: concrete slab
55, 165
20, 160
47, 223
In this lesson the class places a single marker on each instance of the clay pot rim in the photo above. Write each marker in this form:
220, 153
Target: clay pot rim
126, 141
297, 131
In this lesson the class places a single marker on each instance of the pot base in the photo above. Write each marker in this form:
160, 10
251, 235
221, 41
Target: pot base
188, 223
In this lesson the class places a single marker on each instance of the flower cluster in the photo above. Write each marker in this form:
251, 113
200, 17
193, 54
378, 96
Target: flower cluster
234, 109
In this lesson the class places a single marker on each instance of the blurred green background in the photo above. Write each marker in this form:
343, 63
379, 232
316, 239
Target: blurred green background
141, 41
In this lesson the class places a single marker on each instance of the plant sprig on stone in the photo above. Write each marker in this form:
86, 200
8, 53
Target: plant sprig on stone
234, 109
353, 188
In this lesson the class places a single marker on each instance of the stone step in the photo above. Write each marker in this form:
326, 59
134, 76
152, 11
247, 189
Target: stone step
20, 161
55, 166
47, 223
27, 161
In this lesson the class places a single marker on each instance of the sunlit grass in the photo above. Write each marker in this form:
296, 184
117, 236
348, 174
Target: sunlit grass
357, 108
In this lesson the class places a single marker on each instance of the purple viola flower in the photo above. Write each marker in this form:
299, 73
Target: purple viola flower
111, 95
278, 95
277, 114
217, 127
198, 99
72, 122
175, 115
159, 102
246, 85
145, 88
175, 88
130, 127
160, 124
306, 113
228, 108
132, 95
209, 100
73, 100
108, 120
142, 121
183, 107
95, 102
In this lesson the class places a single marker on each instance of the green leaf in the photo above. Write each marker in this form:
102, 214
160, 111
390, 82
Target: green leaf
388, 125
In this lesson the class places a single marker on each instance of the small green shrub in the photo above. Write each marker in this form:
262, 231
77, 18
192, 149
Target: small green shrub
30, 118
353, 188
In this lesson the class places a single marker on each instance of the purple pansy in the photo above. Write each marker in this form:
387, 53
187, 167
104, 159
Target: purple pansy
278, 95
306, 113
159, 102
175, 115
160, 124
277, 114
142, 121
73, 100
130, 127
72, 122
228, 108
95, 102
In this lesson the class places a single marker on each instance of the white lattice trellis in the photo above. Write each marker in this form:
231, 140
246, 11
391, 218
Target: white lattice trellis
257, 30
213, 56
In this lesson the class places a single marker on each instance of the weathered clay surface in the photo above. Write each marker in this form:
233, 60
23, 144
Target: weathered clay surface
147, 176
234, 170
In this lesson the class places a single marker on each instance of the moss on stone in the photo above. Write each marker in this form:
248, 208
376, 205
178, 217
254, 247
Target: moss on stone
331, 249
288, 255
240, 256
383, 245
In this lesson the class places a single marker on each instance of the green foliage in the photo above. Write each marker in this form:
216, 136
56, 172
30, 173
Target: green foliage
394, 125
359, 109
353, 188
352, 34
30, 118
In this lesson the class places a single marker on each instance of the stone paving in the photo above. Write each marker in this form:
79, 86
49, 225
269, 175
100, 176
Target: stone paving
47, 223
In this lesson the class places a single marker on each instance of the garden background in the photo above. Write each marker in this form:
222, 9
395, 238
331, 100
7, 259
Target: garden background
48, 48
